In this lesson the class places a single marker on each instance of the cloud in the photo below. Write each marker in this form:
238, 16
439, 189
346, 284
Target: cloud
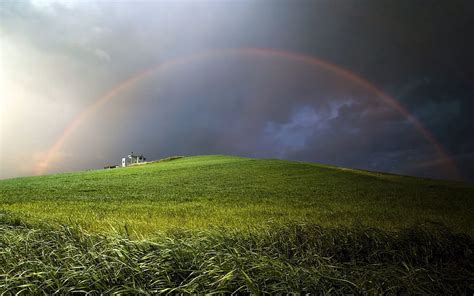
293, 134
58, 57
102, 55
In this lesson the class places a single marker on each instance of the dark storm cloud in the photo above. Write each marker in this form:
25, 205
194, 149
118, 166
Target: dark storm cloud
319, 124
59, 57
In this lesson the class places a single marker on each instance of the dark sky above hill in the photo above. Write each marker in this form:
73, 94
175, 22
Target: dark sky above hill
300, 96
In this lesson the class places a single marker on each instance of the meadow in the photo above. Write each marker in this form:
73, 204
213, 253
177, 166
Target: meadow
206, 191
225, 224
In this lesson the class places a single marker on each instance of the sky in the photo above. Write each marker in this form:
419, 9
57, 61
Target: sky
378, 85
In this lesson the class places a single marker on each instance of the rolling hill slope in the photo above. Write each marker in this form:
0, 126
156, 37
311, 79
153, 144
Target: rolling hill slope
202, 192
222, 224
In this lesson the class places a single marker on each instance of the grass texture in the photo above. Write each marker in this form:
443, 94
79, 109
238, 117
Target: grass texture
222, 224
283, 259
202, 192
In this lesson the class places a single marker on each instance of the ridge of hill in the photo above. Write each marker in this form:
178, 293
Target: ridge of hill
224, 224
202, 192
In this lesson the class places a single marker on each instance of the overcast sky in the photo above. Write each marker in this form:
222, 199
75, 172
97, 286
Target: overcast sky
209, 94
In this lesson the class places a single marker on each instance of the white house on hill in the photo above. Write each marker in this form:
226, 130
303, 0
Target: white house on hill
132, 158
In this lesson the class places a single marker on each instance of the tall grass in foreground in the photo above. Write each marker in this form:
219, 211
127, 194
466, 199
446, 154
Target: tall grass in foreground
280, 259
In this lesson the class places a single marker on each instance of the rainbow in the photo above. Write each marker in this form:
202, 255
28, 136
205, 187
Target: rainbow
42, 166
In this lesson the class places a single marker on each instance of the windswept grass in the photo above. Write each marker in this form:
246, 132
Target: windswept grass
281, 259
220, 224
203, 192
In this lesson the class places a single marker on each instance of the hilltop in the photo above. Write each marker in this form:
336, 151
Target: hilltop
223, 224
202, 192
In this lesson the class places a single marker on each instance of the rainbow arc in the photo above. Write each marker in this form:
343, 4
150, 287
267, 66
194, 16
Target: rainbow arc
109, 95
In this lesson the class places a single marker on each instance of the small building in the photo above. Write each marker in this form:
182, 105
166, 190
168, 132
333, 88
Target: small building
132, 159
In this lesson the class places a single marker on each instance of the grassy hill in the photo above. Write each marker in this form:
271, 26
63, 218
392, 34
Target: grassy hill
205, 191
226, 224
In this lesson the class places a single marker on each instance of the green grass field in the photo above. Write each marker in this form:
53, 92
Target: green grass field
206, 191
225, 224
